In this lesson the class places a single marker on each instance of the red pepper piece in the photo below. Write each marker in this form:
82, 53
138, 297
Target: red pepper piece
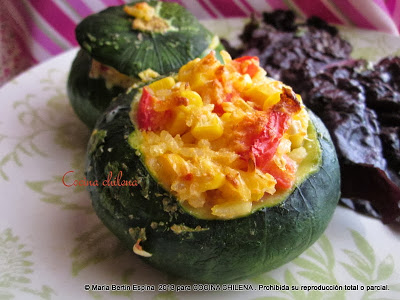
248, 65
148, 118
218, 109
266, 144
284, 178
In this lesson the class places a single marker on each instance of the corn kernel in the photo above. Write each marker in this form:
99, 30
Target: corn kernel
216, 182
208, 128
193, 97
297, 140
272, 100
197, 81
298, 129
240, 192
165, 170
298, 154
259, 93
173, 165
188, 138
242, 83
185, 72
162, 84
178, 124
225, 117
284, 146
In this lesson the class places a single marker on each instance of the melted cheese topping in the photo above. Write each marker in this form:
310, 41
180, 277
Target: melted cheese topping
210, 116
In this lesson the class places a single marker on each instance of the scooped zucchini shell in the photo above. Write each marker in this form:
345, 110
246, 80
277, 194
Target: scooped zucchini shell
88, 96
149, 218
109, 37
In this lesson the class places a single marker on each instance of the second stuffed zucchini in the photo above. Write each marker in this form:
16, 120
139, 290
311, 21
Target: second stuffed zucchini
129, 44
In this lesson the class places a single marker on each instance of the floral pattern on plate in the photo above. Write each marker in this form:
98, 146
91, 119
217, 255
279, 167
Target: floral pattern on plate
52, 244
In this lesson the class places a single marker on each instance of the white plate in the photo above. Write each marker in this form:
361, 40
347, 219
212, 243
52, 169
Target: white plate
52, 244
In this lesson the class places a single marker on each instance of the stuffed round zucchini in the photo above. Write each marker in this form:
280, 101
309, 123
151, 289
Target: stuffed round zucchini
214, 174
123, 45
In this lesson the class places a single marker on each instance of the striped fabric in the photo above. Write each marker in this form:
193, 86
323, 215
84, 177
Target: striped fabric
34, 30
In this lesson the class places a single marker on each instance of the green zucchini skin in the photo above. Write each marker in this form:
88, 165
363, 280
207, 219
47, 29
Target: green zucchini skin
88, 97
108, 37
224, 250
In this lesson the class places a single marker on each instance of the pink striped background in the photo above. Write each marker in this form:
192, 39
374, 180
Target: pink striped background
34, 30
